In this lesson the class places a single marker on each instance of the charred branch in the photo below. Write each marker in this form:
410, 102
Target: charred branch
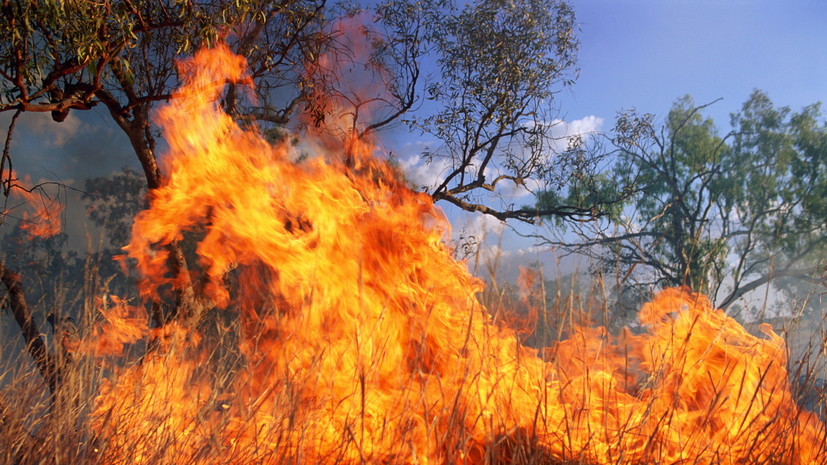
5, 178
78, 97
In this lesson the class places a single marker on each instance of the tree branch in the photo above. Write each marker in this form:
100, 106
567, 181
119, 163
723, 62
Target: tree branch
527, 215
802, 274
6, 158
43, 359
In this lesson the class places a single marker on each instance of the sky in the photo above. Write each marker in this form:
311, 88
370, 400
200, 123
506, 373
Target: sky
641, 54
647, 53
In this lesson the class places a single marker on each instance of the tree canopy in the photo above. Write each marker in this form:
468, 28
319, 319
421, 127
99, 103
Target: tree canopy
62, 56
480, 77
720, 213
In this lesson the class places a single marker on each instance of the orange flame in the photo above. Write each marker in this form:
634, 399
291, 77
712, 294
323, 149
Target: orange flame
360, 340
44, 221
122, 324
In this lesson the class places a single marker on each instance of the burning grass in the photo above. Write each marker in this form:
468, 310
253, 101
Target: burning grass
335, 327
184, 404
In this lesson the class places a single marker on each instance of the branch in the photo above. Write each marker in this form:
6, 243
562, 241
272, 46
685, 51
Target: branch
34, 343
6, 157
407, 104
605, 240
526, 215
802, 274
280, 117
72, 101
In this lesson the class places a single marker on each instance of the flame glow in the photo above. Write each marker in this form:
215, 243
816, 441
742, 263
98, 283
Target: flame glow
44, 219
360, 340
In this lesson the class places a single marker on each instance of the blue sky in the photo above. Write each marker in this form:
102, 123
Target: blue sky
647, 53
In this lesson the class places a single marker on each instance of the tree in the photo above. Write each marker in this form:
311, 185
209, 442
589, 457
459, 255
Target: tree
500, 65
490, 104
58, 57
62, 56
114, 201
722, 215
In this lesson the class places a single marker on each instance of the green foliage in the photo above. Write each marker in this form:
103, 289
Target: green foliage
722, 214
73, 55
500, 63
83, 41
595, 192
496, 55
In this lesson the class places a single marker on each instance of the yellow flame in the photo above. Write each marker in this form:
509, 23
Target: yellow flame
360, 340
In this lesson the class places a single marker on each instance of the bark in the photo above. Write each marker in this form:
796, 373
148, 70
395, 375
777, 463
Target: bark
43, 359
137, 128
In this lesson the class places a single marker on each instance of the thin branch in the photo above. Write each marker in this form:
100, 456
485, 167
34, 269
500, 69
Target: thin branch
527, 215
606, 240
6, 180
807, 275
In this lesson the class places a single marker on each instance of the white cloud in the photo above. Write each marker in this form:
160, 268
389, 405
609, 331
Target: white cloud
484, 226
424, 173
587, 125
428, 174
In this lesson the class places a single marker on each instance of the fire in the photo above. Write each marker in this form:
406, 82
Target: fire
356, 338
44, 219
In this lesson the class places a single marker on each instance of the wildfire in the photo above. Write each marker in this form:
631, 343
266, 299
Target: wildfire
44, 220
358, 339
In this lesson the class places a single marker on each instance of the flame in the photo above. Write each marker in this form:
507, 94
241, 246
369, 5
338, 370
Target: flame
44, 220
358, 339
122, 324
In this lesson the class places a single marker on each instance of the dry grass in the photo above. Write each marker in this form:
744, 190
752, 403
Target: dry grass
38, 429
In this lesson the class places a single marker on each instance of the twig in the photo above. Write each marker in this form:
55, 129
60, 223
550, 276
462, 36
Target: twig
6, 180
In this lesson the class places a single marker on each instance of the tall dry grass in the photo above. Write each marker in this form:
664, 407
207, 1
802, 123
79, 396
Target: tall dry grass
36, 428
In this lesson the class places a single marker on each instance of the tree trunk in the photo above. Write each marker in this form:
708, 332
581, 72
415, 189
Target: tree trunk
43, 359
137, 130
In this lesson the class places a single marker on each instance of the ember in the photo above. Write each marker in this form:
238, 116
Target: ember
360, 340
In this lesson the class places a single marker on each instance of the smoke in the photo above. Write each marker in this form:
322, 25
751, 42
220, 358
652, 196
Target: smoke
63, 155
